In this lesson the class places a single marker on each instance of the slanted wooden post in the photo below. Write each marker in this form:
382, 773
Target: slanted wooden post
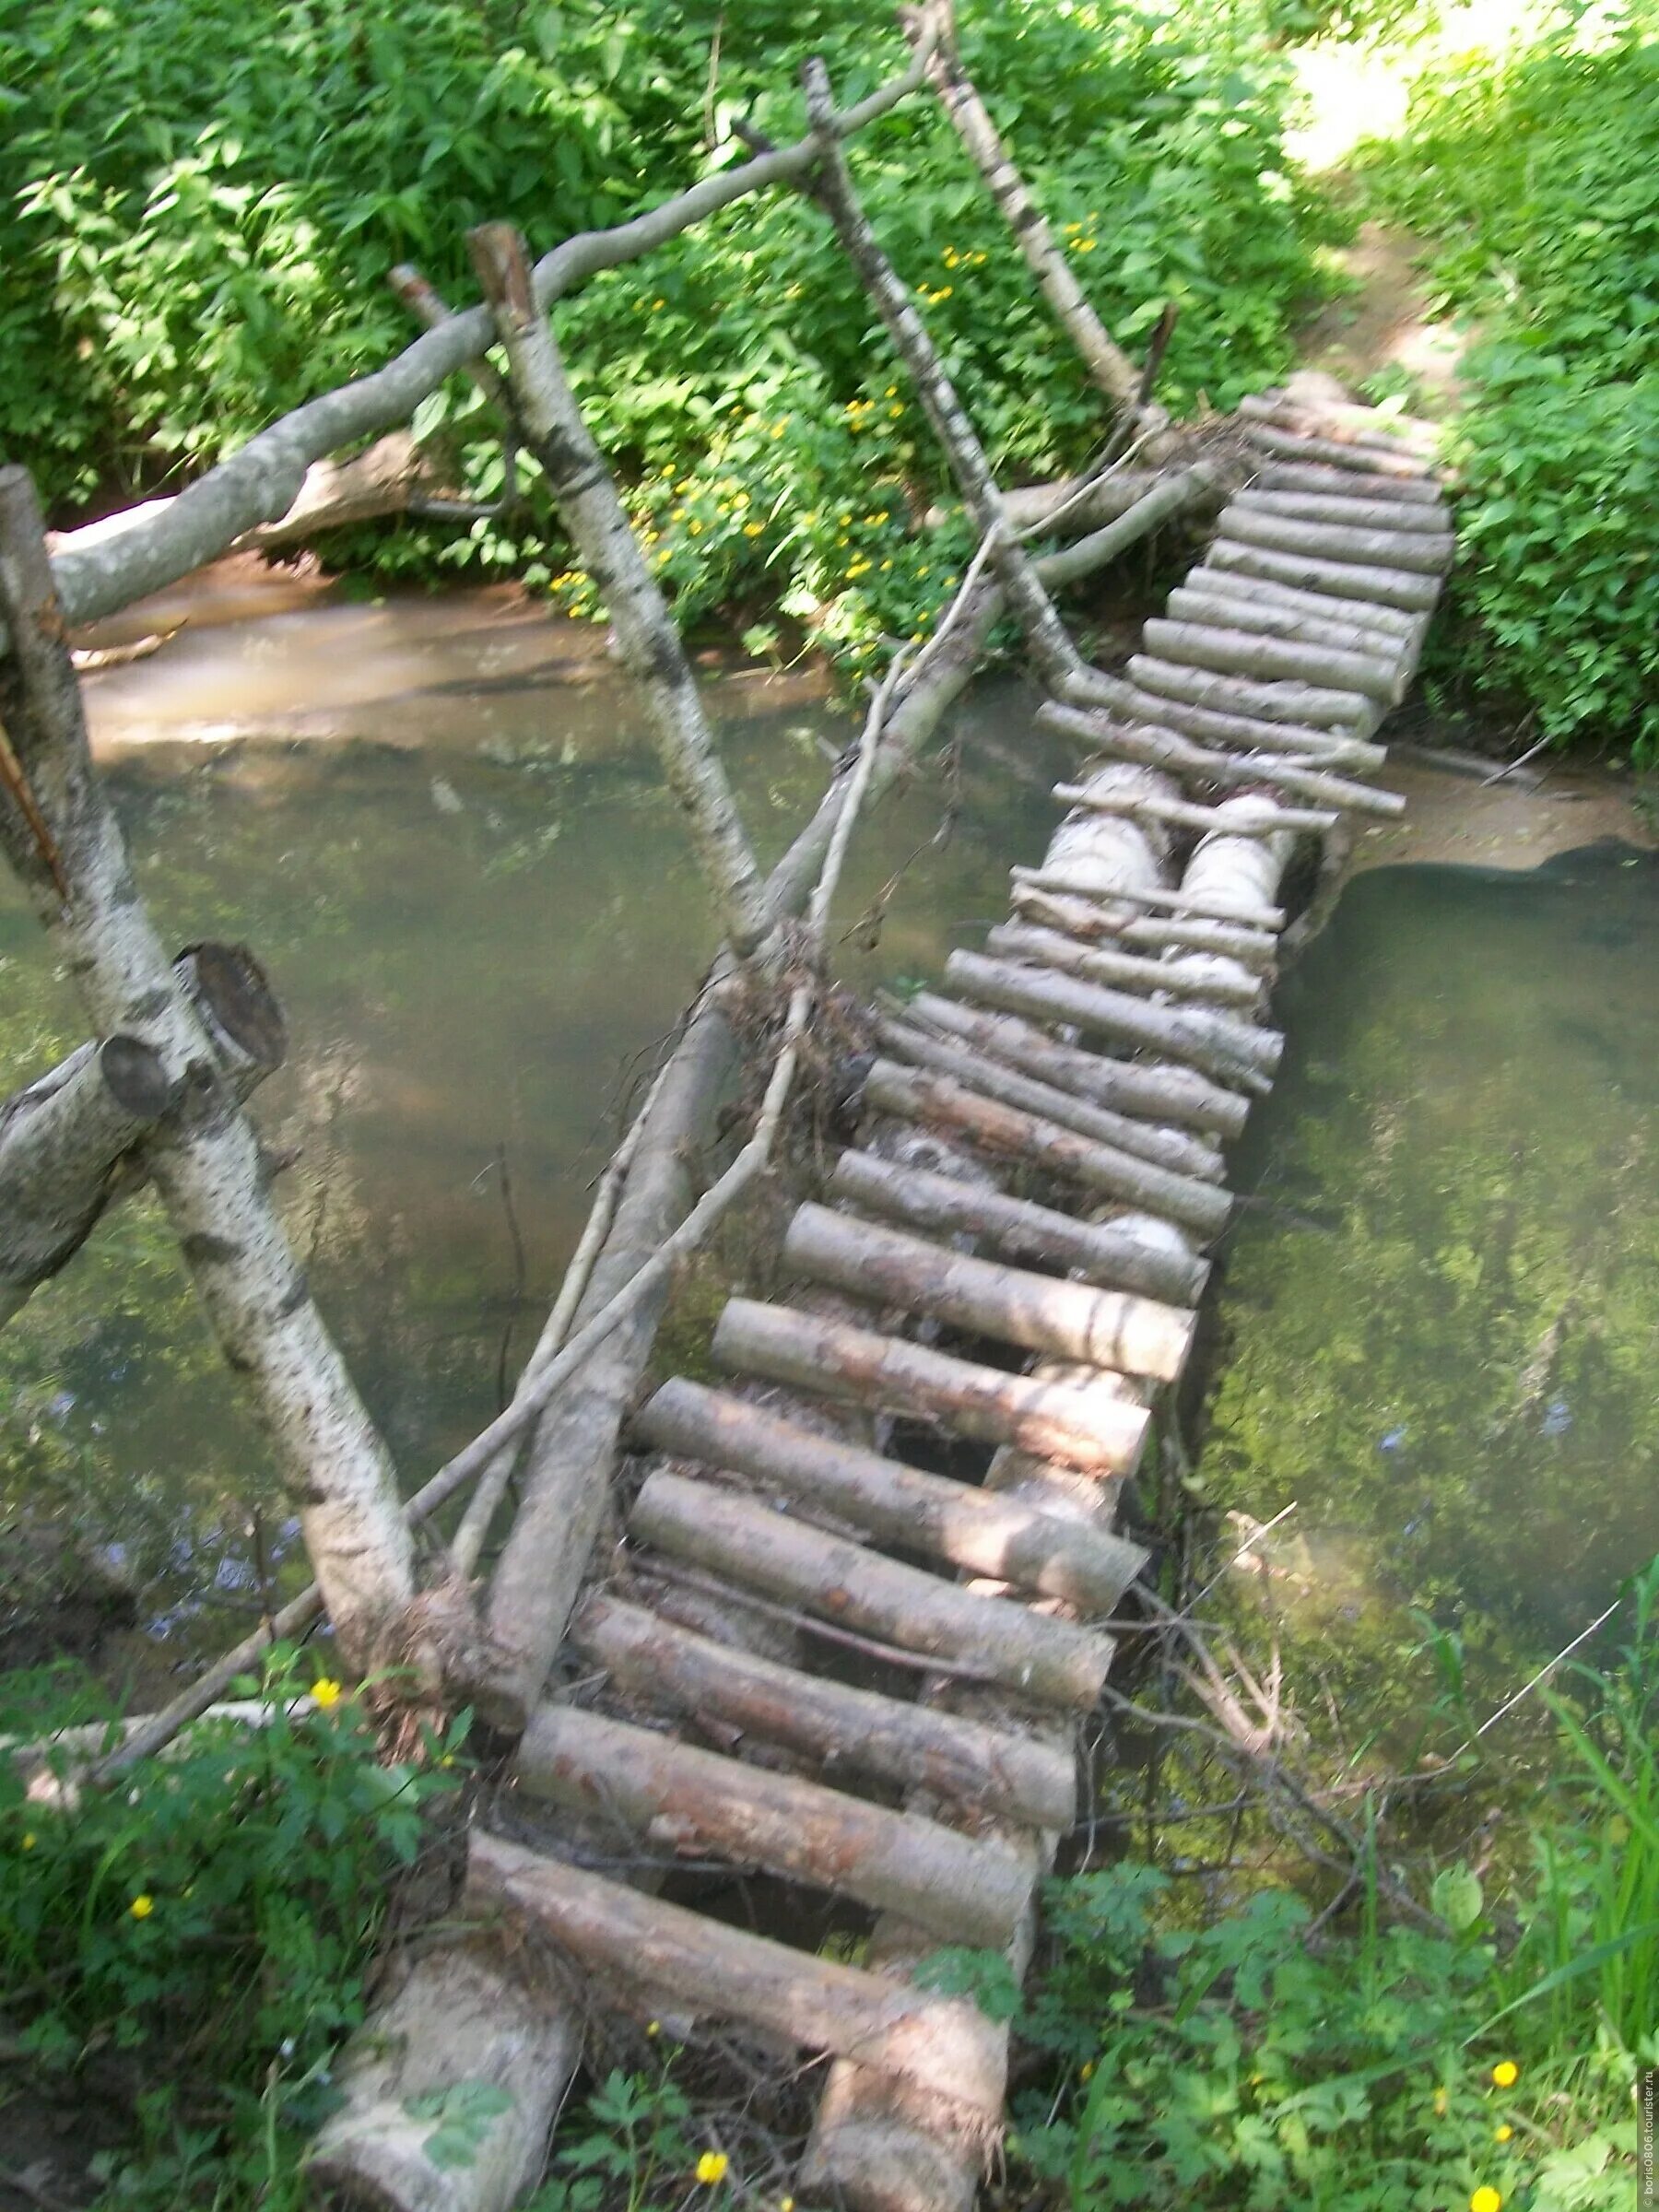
582, 484
1107, 363
832, 185
203, 1155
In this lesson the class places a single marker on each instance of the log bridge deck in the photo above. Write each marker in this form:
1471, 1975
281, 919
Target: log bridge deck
918, 1456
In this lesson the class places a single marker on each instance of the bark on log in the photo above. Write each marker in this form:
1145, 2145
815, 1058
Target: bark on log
634, 1782
1414, 551
1055, 948
1341, 714
1070, 883
585, 493
1110, 368
1016, 1227
1112, 1329
1152, 745
259, 483
891, 1740
1348, 483
1169, 1094
1053, 1662
60, 1140
1264, 617
1332, 453
1270, 820
944, 2045
1402, 628
1411, 515
1185, 491
206, 1163
1050, 649
1253, 948
1341, 580
1210, 644
956, 1522
935, 1101
1172, 1148
1091, 1426
1363, 429
1320, 750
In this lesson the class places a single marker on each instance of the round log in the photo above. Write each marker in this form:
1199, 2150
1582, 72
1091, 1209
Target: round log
1346, 483
944, 2045
1233, 728
1144, 740
633, 1782
892, 1740
1391, 436
1071, 1320
1403, 629
1051, 877
1172, 1094
1302, 705
1016, 1227
1173, 1148
1262, 617
1235, 651
935, 1101
1180, 815
954, 1521
1094, 1425
1057, 948
1391, 586
1332, 453
1355, 514
1411, 550
1054, 1661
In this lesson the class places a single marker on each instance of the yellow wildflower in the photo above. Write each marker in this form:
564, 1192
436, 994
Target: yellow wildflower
28, 1841
326, 1693
786, 2204
891, 391
1502, 2134
1506, 2072
754, 529
944, 292
712, 2168
1485, 2199
142, 1906
1440, 2102
780, 431
1086, 2071
895, 411
656, 303
695, 527
654, 2026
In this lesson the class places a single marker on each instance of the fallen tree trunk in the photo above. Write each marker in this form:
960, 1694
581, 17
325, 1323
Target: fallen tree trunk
206, 1160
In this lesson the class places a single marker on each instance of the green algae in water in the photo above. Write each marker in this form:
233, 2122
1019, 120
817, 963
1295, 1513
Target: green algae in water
1440, 1312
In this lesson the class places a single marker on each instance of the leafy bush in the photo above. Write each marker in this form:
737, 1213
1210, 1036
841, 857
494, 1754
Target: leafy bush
1533, 169
200, 204
205, 1928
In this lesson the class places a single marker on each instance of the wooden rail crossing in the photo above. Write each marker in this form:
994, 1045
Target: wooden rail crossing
912, 1461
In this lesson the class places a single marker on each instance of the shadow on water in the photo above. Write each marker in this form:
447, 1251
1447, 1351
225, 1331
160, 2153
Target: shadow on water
476, 899
1438, 1326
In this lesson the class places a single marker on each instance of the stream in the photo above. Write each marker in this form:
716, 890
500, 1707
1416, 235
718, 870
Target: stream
441, 825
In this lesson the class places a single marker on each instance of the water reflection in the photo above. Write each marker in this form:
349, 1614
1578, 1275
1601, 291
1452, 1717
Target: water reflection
447, 837
1439, 1328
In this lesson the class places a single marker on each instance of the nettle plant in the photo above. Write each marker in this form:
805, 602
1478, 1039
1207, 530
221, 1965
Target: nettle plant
198, 1935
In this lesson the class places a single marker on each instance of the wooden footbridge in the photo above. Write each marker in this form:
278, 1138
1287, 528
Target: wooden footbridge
858, 1607
826, 1631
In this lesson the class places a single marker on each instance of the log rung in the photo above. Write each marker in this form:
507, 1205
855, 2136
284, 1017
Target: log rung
1057, 947
957, 1524
755, 1547
945, 2046
1266, 819
678, 1799
1153, 895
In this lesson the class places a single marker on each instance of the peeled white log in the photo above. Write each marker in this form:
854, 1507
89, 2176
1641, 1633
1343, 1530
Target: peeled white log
1402, 628
1015, 1226
1070, 1321
1392, 436
1412, 550
1054, 1661
1301, 705
1332, 453
1353, 513
956, 1522
1391, 586
1151, 744
1172, 1094
1263, 619
936, 1101
944, 2045
1271, 819
1055, 948
60, 1139
633, 1782
1345, 483
1050, 877
1323, 751
839, 1727
1091, 1426
1253, 949
1211, 645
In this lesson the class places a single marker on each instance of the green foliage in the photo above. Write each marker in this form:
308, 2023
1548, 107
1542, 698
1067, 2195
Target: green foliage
200, 204
1533, 171
208, 1926
630, 2147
